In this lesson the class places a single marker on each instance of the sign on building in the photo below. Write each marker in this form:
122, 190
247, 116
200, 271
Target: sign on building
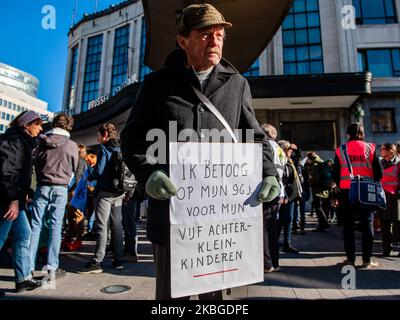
216, 220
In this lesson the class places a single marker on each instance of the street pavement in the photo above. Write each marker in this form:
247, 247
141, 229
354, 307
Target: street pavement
315, 273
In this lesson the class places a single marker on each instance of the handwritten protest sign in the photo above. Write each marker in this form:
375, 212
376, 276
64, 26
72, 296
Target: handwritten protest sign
216, 220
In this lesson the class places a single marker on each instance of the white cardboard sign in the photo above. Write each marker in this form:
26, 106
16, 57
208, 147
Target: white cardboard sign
216, 220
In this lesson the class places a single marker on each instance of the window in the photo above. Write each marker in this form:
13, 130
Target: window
120, 60
72, 77
375, 11
302, 46
12, 118
311, 135
383, 120
7, 117
381, 62
254, 70
3, 115
1, 102
143, 68
92, 71
1, 128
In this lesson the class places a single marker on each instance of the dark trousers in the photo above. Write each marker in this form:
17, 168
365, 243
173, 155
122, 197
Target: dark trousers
162, 258
271, 235
129, 224
321, 215
350, 214
285, 222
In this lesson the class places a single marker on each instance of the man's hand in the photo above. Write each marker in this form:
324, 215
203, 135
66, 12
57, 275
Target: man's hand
159, 186
12, 212
270, 189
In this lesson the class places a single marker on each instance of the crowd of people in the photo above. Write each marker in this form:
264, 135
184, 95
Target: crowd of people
50, 186
325, 185
73, 186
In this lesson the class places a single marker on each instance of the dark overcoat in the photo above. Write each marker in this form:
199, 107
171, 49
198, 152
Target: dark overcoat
166, 95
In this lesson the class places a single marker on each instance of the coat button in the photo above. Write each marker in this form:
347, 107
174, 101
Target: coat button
202, 135
201, 109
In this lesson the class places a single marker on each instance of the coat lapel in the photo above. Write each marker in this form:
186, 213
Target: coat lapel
216, 81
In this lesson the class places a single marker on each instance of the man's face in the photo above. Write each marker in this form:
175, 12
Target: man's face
203, 47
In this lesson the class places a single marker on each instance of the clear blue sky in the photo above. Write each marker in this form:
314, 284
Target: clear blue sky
42, 53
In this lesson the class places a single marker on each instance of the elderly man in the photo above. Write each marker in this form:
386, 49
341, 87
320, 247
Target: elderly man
169, 95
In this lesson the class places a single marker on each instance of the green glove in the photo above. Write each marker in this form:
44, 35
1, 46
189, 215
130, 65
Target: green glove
270, 189
159, 186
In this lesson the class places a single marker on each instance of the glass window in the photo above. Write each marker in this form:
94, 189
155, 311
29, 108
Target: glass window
314, 35
302, 47
290, 68
288, 23
288, 38
1, 128
254, 70
143, 68
72, 77
375, 11
315, 53
316, 67
396, 62
380, 62
301, 37
92, 71
300, 20
303, 68
299, 6
312, 5
361, 62
120, 60
383, 120
290, 54
7, 117
302, 53
313, 19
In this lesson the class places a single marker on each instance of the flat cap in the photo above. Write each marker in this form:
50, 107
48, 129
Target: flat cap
198, 16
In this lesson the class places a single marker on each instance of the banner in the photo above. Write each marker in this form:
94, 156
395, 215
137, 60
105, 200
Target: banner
216, 220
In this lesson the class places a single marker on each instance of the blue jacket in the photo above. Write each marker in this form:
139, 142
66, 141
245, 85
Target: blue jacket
101, 171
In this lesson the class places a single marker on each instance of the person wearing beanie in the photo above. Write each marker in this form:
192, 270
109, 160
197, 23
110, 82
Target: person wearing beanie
16, 147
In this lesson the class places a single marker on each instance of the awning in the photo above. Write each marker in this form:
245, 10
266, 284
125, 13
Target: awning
254, 24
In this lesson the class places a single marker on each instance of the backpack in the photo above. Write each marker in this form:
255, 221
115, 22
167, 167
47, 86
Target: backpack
316, 174
122, 179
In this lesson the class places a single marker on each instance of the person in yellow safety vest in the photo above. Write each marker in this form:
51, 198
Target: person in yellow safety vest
365, 162
391, 184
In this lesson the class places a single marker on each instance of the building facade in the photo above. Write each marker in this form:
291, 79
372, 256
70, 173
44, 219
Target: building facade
18, 92
328, 45
340, 36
